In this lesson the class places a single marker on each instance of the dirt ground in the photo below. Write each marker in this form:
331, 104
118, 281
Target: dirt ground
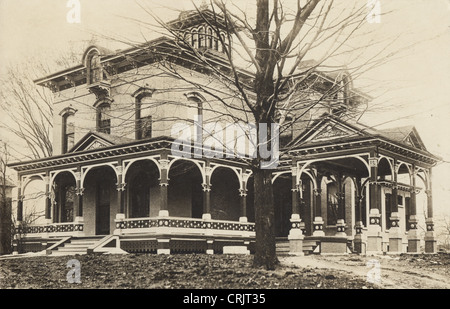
405, 271
225, 272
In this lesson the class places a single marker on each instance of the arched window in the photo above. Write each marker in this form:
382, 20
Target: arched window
68, 129
104, 118
210, 38
201, 37
196, 99
216, 42
94, 68
223, 42
143, 114
194, 38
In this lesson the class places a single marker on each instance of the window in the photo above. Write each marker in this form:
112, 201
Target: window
104, 118
223, 42
143, 118
332, 203
196, 99
68, 129
94, 68
201, 37
194, 38
210, 38
67, 202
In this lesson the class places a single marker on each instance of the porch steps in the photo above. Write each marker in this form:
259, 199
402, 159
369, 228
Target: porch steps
77, 245
282, 246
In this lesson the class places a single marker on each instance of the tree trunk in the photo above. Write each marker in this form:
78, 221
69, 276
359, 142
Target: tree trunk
265, 253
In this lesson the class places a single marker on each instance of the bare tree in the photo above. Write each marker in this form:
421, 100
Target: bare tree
28, 111
5, 202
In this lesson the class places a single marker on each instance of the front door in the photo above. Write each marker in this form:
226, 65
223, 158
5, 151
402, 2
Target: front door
103, 207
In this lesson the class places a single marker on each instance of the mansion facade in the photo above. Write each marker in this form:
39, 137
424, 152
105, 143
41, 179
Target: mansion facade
114, 182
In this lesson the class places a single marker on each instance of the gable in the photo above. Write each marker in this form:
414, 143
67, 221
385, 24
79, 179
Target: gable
407, 135
91, 141
413, 139
326, 129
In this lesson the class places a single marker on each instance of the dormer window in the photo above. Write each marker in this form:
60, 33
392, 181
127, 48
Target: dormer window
94, 68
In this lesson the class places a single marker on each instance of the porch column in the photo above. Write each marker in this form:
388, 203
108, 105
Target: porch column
340, 223
19, 219
164, 183
243, 204
395, 236
374, 237
207, 193
295, 236
413, 234
79, 195
360, 242
48, 199
318, 220
430, 237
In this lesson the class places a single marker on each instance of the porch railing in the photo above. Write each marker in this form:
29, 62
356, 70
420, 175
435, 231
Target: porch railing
130, 224
52, 228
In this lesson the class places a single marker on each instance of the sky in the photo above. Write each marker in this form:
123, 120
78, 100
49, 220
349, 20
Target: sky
416, 82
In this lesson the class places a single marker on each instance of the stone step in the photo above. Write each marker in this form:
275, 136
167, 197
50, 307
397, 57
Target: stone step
73, 250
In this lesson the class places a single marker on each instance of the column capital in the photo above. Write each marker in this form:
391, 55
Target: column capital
206, 187
79, 191
208, 171
120, 186
317, 191
242, 192
373, 161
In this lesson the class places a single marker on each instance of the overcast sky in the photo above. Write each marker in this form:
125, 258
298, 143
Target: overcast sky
418, 81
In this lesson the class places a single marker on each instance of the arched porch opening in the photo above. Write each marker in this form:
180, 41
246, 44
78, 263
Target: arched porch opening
64, 186
34, 201
185, 193
142, 189
225, 199
250, 199
282, 198
100, 200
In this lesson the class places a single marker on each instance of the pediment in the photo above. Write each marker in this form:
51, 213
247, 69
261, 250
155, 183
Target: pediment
327, 129
91, 141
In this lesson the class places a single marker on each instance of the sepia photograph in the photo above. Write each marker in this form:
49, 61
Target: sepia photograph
220, 150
